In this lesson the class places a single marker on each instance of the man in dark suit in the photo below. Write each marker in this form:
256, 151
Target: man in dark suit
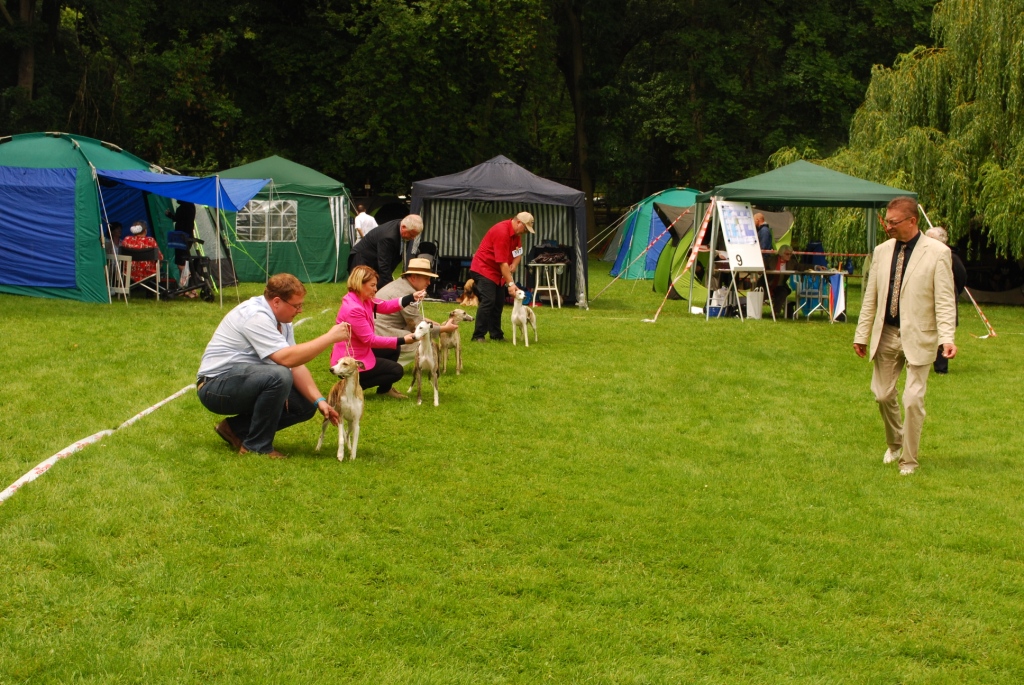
941, 364
383, 248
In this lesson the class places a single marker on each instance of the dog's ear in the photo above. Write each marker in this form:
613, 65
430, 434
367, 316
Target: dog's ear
362, 366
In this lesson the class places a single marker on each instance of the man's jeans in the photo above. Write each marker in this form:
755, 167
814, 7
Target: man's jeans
263, 398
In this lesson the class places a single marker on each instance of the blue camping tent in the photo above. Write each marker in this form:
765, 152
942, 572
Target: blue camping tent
644, 232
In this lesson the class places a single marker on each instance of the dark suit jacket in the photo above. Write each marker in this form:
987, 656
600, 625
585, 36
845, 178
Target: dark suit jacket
380, 250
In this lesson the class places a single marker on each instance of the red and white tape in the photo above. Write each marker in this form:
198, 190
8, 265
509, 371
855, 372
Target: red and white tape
44, 466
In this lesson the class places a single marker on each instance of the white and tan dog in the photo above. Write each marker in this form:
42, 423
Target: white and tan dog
347, 398
452, 340
425, 362
521, 317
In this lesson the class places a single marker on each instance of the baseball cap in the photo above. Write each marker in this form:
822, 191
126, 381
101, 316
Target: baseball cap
527, 219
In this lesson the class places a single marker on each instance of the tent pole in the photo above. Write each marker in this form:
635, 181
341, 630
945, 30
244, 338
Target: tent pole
870, 228
693, 247
713, 245
106, 218
921, 207
220, 242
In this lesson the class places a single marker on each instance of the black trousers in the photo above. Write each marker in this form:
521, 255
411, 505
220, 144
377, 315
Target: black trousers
488, 314
385, 372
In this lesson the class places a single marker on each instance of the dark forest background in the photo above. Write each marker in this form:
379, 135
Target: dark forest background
617, 97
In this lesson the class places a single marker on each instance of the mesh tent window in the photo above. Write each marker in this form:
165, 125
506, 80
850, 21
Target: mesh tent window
274, 221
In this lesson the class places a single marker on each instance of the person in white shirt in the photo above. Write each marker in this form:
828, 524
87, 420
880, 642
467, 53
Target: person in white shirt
253, 368
363, 223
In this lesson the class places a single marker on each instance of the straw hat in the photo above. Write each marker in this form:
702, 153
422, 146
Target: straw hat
419, 267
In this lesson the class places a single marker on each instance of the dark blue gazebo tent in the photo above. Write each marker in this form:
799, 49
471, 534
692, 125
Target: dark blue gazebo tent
504, 187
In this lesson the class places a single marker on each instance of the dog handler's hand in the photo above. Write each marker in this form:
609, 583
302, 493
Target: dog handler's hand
948, 350
329, 412
860, 349
340, 332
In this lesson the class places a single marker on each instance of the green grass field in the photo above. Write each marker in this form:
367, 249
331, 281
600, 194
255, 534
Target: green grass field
620, 503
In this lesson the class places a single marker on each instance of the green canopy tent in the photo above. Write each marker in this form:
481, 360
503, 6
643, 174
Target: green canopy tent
803, 184
298, 224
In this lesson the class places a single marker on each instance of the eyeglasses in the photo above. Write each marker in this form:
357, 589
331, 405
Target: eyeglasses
893, 224
296, 307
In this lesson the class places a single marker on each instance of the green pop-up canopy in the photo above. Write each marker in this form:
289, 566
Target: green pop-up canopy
306, 200
803, 184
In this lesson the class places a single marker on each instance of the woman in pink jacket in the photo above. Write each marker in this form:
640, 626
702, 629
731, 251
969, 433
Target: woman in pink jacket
378, 354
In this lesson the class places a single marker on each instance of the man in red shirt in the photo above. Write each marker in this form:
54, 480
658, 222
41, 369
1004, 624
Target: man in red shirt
493, 268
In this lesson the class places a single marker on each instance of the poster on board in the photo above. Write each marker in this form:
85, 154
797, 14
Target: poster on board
737, 221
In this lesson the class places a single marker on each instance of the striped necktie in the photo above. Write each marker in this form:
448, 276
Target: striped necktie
894, 307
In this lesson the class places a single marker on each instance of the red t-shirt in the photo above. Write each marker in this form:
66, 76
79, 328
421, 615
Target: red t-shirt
500, 246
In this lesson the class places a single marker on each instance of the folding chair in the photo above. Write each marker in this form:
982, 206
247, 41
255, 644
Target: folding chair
119, 275
811, 295
150, 254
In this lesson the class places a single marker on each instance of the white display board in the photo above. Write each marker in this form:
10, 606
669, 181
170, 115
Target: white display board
737, 222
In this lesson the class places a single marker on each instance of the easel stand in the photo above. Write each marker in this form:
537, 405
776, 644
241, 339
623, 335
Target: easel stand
733, 224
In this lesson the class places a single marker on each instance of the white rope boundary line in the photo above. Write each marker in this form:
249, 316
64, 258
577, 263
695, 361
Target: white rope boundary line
44, 466
78, 446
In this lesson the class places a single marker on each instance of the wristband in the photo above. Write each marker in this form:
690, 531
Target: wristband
319, 400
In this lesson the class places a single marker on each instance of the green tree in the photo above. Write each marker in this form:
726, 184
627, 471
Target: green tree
947, 122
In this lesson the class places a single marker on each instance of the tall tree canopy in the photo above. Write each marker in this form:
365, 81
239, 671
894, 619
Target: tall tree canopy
948, 122
625, 96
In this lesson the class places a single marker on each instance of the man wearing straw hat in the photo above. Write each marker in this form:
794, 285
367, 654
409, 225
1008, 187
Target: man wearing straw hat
415, 278
909, 310
493, 267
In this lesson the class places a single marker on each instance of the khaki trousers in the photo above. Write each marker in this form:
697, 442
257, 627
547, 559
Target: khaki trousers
889, 362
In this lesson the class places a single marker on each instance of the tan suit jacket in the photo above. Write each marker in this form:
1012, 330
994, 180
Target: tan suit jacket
927, 300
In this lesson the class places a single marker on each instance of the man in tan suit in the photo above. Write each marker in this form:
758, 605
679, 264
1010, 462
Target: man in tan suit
909, 309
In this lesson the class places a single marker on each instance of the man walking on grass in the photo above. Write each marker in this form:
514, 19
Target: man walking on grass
909, 309
253, 368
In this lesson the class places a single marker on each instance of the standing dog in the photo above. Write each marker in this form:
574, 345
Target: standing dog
450, 340
347, 397
521, 316
425, 362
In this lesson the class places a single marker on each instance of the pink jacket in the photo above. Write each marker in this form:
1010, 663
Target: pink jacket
359, 315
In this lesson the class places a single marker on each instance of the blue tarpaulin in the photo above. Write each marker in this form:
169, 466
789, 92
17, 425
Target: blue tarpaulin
235, 193
37, 227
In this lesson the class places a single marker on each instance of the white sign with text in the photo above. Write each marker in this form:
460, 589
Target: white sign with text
737, 222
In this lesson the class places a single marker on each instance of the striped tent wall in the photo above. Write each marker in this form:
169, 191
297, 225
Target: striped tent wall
448, 223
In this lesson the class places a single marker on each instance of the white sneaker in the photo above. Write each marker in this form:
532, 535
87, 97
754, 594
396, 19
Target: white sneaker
891, 456
907, 470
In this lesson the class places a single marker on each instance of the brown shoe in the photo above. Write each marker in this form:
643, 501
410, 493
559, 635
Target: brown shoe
273, 454
224, 431
394, 393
